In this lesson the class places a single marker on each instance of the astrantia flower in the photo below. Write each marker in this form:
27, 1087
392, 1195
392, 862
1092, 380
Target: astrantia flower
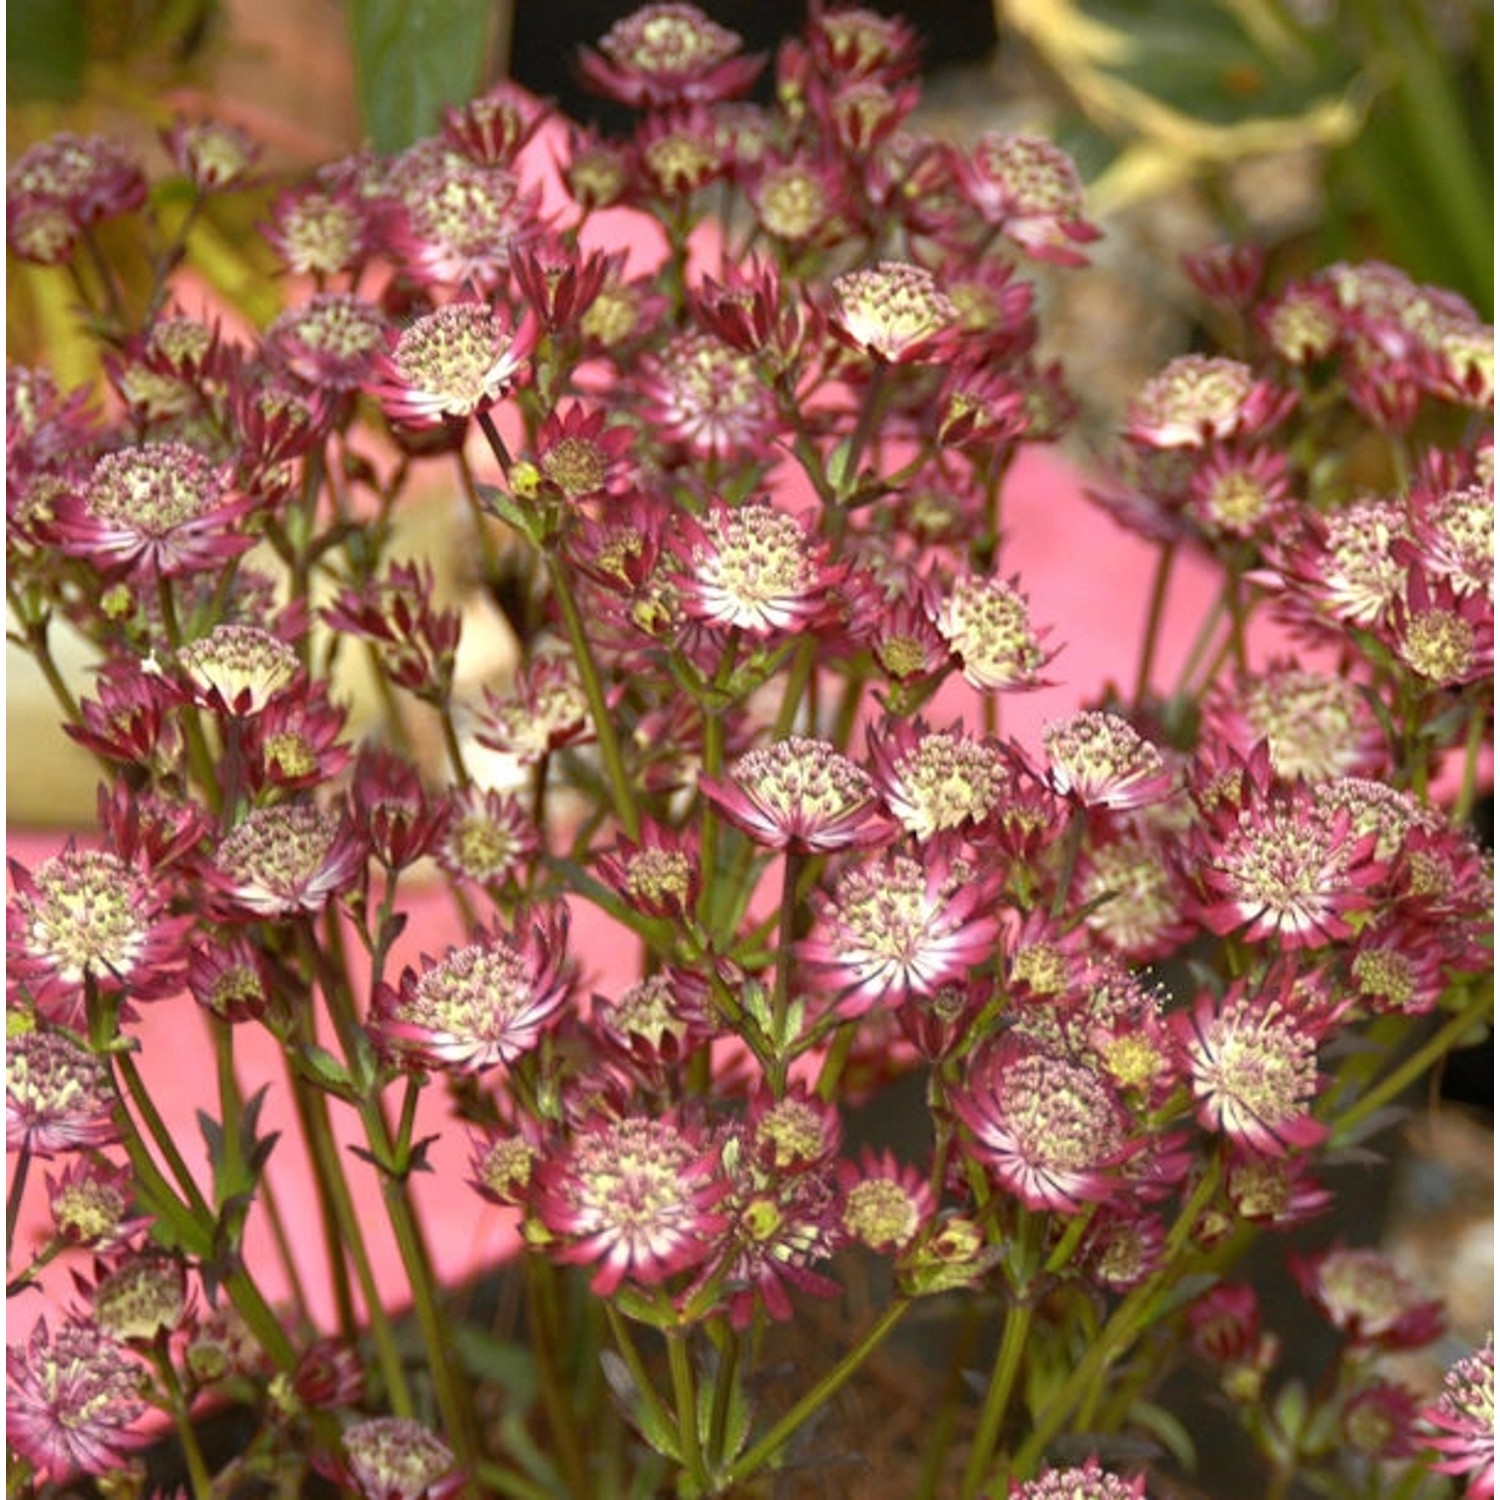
480, 1005
486, 836
894, 312
638, 1194
1366, 1297
417, 640
668, 54
935, 780
1275, 1190
802, 201
452, 363
986, 622
1344, 569
1046, 1129
580, 454
212, 155
678, 152
70, 1401
657, 874
1317, 725
886, 1203
1087, 1483
661, 1019
1460, 1424
161, 508
228, 978
397, 1458
332, 341
57, 1096
1254, 1067
59, 186
1100, 760
319, 230
88, 915
1135, 898
90, 1203
753, 568
1446, 637
284, 860
898, 927
392, 812
492, 128
1029, 188
1286, 867
1301, 322
138, 1297
237, 670
1237, 495
1197, 400
800, 794
701, 393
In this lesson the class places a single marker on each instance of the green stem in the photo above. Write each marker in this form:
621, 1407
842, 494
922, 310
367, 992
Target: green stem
724, 1382
684, 1389
1125, 1324
825, 1389
1395, 1083
13, 1198
1155, 613
621, 794
200, 1480
637, 1366
997, 1398
568, 1442
1463, 805
501, 1481
161, 1136
781, 991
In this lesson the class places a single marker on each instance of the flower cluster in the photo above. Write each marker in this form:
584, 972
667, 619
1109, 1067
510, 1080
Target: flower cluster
1151, 971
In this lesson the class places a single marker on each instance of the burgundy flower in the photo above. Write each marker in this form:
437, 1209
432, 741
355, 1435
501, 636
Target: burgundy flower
1254, 1065
1135, 898
71, 1400
935, 780
59, 187
87, 916
886, 1203
161, 509
657, 874
480, 1005
800, 200
229, 979
558, 281
57, 1096
699, 392
417, 641
894, 312
899, 927
1367, 1298
211, 154
391, 811
1099, 760
638, 1194
668, 54
331, 342
396, 1458
581, 454
492, 128
1197, 400
1277, 1191
1460, 1424
800, 794
284, 860
1224, 1324
321, 229
1050, 1131
987, 624
486, 836
678, 152
91, 1203
1029, 189
452, 363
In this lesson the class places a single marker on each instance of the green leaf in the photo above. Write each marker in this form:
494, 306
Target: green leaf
411, 57
46, 47
496, 1361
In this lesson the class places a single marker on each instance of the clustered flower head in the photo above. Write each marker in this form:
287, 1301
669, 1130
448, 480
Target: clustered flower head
743, 842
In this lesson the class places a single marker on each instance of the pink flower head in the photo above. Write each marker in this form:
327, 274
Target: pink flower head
284, 860
486, 837
211, 154
1089, 1482
638, 1194
417, 641
1367, 1298
1050, 1131
1284, 865
391, 810
395, 1458
936, 780
70, 1401
1254, 1065
798, 794
332, 342
161, 509
1444, 634
58, 187
1460, 1424
1278, 1191
88, 917
898, 927
1100, 760
452, 363
238, 670
581, 455
755, 569
657, 874
91, 1204
987, 624
886, 1203
1224, 1324
492, 128
698, 391
557, 281
228, 978
58, 1097
1029, 189
668, 54
1227, 273
1197, 400
480, 1005
1240, 493
849, 41
679, 151
894, 312
321, 229
800, 200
